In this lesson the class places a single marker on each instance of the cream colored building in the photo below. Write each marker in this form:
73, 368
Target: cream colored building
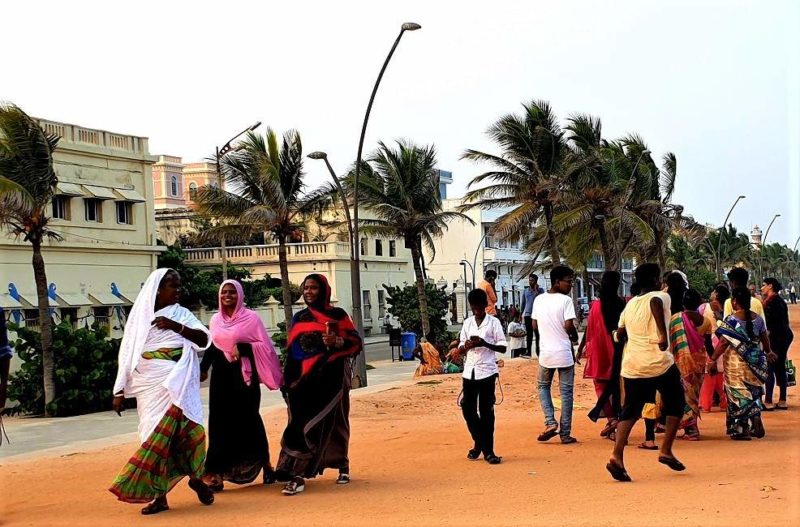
326, 251
103, 210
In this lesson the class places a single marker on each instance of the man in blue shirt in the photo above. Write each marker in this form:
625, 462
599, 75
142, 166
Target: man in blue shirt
528, 296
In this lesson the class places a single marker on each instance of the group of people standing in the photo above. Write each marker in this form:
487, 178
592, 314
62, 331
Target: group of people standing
661, 354
159, 366
670, 352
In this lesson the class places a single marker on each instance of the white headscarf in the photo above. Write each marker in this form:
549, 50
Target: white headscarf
137, 327
157, 383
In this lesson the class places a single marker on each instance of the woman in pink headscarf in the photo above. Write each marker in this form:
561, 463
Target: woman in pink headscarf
242, 357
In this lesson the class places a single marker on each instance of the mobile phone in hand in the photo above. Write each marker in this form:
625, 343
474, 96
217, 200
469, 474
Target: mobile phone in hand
331, 327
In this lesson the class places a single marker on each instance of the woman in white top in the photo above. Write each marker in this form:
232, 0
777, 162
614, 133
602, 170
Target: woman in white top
158, 365
481, 336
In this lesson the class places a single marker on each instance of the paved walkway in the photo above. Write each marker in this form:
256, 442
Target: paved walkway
66, 435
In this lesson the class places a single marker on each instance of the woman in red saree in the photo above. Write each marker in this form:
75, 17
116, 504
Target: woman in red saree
321, 344
599, 349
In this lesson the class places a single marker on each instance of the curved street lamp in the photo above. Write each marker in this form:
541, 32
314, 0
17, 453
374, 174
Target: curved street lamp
631, 180
221, 151
360, 369
342, 196
717, 256
763, 244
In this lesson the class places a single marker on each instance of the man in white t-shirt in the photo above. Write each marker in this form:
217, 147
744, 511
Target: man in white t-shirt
554, 316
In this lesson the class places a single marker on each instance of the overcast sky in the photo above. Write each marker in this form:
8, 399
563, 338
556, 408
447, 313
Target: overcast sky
715, 82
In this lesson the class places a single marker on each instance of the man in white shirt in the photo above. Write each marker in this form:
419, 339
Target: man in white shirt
554, 316
481, 337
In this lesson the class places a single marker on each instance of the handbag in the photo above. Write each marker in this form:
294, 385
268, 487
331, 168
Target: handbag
791, 373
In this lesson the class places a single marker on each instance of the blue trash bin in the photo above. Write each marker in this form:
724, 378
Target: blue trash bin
408, 341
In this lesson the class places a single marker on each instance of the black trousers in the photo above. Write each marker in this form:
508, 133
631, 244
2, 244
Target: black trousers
529, 333
477, 406
640, 391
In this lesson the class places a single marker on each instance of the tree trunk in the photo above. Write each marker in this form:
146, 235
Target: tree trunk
611, 260
423, 300
283, 261
45, 324
555, 257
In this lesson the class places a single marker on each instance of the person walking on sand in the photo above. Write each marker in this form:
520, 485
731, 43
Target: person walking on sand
487, 285
554, 316
647, 367
481, 337
158, 365
528, 296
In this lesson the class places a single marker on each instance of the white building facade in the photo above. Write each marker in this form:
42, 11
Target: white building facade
103, 210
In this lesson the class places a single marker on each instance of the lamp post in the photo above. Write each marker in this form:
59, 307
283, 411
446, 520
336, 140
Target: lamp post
631, 180
717, 256
360, 373
464, 264
763, 244
221, 151
342, 196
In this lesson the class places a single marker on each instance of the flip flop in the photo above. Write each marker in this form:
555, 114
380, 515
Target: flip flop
643, 446
617, 472
548, 434
672, 463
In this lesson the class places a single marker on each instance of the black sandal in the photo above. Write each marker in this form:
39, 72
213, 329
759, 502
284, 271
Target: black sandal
204, 492
156, 506
672, 463
493, 459
473, 454
617, 472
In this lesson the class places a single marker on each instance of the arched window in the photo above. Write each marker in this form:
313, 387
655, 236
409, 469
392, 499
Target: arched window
173, 186
192, 191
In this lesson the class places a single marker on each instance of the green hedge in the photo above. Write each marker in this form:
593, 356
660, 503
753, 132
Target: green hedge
85, 369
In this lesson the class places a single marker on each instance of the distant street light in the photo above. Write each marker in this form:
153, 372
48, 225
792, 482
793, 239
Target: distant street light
360, 370
718, 256
464, 264
763, 244
221, 151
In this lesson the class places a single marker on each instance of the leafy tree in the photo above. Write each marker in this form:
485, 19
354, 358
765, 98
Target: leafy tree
400, 187
526, 175
266, 194
85, 368
27, 186
405, 306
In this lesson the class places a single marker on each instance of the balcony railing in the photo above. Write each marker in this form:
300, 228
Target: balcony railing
249, 254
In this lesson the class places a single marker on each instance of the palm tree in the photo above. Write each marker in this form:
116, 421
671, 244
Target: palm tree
400, 187
266, 194
27, 185
525, 176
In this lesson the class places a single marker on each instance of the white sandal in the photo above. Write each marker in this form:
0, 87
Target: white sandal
343, 479
295, 486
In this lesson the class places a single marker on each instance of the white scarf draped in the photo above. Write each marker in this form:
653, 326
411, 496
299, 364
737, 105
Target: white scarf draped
158, 384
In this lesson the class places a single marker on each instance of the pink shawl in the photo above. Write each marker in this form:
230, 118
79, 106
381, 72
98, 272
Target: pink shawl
245, 326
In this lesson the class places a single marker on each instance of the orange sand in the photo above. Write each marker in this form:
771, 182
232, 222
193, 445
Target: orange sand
409, 468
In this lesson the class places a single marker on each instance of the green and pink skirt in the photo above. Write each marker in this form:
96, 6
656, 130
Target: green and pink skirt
176, 448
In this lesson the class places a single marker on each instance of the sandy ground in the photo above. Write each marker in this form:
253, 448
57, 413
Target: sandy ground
409, 468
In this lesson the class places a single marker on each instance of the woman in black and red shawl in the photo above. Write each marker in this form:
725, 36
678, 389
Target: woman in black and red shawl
321, 344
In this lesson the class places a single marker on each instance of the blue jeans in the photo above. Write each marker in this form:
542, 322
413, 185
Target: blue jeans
566, 378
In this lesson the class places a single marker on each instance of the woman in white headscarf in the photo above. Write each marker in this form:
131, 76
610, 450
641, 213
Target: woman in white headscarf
158, 365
